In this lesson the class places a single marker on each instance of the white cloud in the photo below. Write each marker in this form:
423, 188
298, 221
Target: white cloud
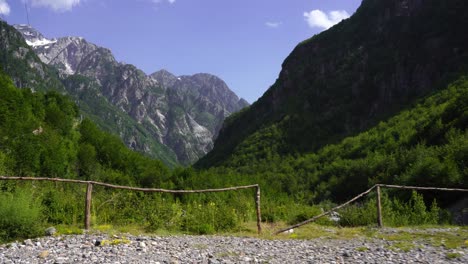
4, 8
56, 5
273, 24
317, 18
159, 1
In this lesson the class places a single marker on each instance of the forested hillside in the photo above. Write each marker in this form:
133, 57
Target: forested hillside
426, 145
42, 134
347, 79
379, 98
24, 67
172, 118
382, 97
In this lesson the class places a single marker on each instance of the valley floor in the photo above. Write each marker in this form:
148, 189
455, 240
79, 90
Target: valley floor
103, 248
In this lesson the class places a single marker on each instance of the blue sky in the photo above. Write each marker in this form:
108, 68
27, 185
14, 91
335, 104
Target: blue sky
242, 41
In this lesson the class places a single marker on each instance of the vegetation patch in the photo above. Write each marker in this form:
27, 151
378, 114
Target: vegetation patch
453, 255
20, 216
227, 254
68, 230
362, 249
404, 246
115, 242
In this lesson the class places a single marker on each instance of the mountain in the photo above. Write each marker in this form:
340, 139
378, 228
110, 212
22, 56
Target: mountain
183, 114
196, 108
21, 63
347, 79
42, 134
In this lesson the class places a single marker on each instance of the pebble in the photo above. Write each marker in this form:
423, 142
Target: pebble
216, 249
50, 231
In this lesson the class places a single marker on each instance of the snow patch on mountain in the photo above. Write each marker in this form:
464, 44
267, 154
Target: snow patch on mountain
40, 42
68, 69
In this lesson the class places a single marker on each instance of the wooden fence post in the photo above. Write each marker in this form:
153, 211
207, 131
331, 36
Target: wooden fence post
259, 214
89, 191
379, 208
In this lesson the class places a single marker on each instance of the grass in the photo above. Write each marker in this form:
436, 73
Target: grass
404, 246
402, 239
453, 255
362, 249
68, 230
200, 246
227, 254
114, 242
447, 237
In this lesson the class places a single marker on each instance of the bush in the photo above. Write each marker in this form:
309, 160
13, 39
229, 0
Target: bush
209, 218
395, 212
20, 216
62, 204
307, 212
359, 215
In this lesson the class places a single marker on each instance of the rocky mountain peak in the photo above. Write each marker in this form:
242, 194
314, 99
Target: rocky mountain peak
165, 78
348, 78
182, 113
33, 37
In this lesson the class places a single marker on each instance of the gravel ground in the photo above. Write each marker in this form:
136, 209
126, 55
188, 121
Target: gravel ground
216, 249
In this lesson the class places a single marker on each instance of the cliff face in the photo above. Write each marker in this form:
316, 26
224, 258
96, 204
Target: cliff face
343, 80
22, 64
182, 113
194, 110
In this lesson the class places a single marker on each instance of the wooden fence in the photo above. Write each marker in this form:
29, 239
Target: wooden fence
379, 205
90, 184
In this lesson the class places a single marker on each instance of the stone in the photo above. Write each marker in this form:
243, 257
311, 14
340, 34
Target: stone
28, 242
216, 249
61, 260
44, 254
50, 231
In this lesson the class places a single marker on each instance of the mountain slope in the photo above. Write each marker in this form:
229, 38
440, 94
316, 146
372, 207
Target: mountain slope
424, 145
197, 106
183, 113
348, 78
20, 62
41, 134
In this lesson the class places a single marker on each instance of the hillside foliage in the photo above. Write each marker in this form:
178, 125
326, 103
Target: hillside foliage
23, 66
42, 134
309, 142
426, 144
349, 78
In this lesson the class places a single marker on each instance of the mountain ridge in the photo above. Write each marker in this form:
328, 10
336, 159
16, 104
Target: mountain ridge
350, 77
172, 121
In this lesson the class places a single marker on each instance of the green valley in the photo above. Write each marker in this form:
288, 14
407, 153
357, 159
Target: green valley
381, 97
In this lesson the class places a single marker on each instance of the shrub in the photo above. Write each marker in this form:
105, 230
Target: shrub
359, 215
62, 205
307, 212
395, 212
20, 215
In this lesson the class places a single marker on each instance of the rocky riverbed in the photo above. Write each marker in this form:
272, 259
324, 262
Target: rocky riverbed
92, 248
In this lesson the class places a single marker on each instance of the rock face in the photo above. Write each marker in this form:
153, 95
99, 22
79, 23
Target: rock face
184, 113
22, 64
193, 111
348, 78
